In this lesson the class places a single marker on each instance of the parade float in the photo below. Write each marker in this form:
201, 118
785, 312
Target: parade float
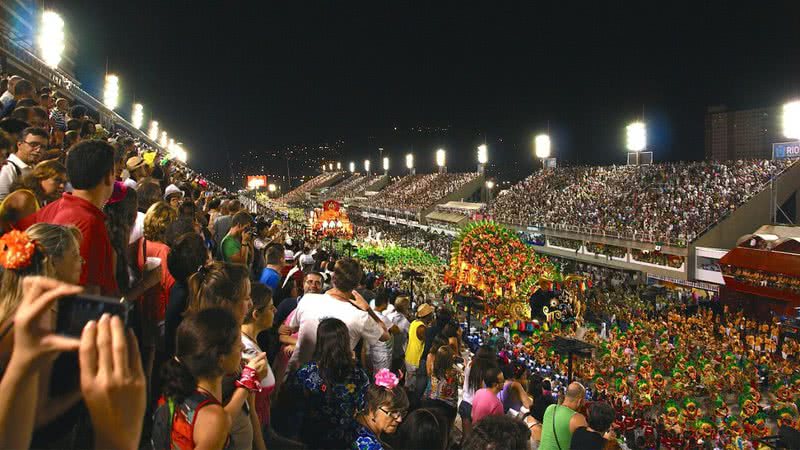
331, 222
517, 287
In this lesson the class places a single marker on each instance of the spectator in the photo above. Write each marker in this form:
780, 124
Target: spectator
271, 275
498, 432
485, 402
341, 302
307, 260
541, 401
173, 196
333, 389
514, 393
23, 90
416, 341
8, 95
46, 181
380, 353
137, 171
159, 216
561, 421
19, 164
259, 318
422, 430
207, 347
59, 115
90, 167
596, 435
474, 374
398, 315
187, 255
444, 382
236, 246
223, 223
386, 405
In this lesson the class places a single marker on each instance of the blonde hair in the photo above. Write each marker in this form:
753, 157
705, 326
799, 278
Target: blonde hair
52, 243
43, 171
158, 217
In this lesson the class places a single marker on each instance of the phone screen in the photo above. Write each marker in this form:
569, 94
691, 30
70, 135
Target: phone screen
75, 311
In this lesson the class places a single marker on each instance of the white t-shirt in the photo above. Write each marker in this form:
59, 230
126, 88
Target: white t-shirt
380, 353
306, 260
252, 349
138, 228
467, 393
316, 307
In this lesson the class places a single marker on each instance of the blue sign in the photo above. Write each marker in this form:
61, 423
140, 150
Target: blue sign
783, 150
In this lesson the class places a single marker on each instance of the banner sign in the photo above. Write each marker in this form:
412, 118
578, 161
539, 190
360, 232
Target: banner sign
785, 150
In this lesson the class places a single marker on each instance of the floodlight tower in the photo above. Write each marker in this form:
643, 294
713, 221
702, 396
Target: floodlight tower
366, 166
51, 38
111, 91
386, 165
440, 160
352, 167
636, 140
483, 158
137, 115
542, 146
410, 164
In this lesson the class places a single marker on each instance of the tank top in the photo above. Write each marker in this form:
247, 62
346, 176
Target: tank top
562, 417
181, 432
415, 344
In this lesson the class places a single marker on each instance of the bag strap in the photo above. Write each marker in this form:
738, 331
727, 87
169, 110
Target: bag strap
555, 436
17, 170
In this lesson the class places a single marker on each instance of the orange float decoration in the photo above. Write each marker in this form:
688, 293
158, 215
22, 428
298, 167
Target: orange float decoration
331, 221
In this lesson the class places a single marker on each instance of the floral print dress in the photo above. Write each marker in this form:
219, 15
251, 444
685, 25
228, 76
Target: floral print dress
326, 416
366, 440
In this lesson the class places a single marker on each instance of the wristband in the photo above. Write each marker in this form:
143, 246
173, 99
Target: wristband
249, 380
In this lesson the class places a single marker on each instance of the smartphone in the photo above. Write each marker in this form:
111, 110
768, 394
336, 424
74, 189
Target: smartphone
75, 311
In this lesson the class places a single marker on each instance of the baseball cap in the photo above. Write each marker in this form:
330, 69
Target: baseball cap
172, 189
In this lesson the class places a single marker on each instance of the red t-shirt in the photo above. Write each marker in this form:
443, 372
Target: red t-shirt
96, 249
157, 297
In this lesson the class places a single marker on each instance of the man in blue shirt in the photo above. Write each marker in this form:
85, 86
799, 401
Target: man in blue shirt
271, 275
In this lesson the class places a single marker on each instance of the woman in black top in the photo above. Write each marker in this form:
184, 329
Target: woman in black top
600, 417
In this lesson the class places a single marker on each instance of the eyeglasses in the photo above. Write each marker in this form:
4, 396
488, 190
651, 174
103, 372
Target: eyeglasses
35, 144
396, 415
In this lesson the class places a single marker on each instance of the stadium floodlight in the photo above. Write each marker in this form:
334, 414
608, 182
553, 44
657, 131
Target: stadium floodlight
385, 163
338, 166
490, 185
51, 38
483, 154
137, 116
410, 161
440, 157
352, 167
791, 119
636, 136
272, 187
111, 92
163, 141
366, 165
542, 145
152, 132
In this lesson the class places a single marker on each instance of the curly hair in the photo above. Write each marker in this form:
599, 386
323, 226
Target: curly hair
42, 171
157, 219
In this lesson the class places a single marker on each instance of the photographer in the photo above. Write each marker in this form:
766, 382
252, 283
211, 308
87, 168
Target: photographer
236, 245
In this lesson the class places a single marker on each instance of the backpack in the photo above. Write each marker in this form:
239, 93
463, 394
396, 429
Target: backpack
173, 424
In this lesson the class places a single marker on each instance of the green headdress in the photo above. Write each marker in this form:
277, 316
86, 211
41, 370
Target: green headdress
719, 402
671, 405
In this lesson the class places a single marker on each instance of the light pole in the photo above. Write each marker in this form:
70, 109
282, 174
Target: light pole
489, 187
410, 164
483, 158
542, 145
440, 160
636, 140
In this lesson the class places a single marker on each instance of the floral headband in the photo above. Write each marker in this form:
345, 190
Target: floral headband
385, 378
16, 250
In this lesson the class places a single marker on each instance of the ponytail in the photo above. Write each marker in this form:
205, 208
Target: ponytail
201, 341
179, 383
217, 285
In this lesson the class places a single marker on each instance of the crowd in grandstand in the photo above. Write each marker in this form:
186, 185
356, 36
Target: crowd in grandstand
419, 192
299, 194
662, 202
352, 187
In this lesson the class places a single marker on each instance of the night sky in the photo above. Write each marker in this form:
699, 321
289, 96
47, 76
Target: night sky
238, 77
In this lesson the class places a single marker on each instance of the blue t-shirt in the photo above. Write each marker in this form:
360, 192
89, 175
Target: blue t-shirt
271, 278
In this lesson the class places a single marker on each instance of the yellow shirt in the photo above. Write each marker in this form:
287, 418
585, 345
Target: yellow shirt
415, 345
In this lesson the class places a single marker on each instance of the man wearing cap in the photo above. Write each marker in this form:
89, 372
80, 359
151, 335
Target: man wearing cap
173, 195
416, 341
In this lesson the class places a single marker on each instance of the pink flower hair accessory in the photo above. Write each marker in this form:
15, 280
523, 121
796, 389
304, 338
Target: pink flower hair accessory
385, 378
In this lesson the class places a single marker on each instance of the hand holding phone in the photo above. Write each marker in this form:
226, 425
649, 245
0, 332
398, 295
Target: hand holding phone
74, 311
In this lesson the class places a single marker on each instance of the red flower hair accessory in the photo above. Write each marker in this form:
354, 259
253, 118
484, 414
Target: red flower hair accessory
16, 250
